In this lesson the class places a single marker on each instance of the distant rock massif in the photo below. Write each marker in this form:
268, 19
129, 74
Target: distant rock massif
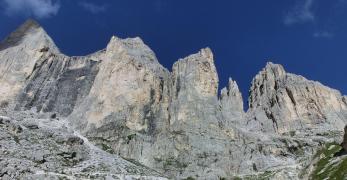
119, 114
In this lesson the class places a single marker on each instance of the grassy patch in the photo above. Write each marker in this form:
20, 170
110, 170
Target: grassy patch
189, 178
328, 166
172, 162
262, 176
130, 137
106, 148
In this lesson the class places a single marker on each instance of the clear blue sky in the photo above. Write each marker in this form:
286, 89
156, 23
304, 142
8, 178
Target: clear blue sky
308, 37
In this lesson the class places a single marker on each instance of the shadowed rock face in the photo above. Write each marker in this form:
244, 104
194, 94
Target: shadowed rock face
58, 83
124, 101
344, 142
34, 71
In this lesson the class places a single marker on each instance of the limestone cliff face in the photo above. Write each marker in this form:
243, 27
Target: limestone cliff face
282, 102
131, 88
57, 84
126, 109
231, 104
126, 103
195, 75
195, 85
195, 118
19, 53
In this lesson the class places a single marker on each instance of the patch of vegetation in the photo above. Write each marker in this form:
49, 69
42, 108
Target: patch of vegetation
106, 148
130, 137
172, 162
158, 159
237, 178
62, 178
328, 166
330, 134
297, 150
41, 161
189, 178
294, 147
102, 143
262, 176
134, 162
98, 139
69, 158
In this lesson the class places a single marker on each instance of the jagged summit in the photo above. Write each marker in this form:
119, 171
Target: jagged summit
197, 71
283, 102
31, 23
268, 79
32, 36
232, 103
27, 26
17, 36
231, 90
270, 64
204, 54
207, 53
131, 47
277, 69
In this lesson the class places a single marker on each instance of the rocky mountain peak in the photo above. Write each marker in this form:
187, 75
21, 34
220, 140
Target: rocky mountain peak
207, 53
231, 90
231, 102
276, 69
196, 73
31, 35
271, 73
130, 47
31, 23
283, 102
20, 53
27, 26
267, 81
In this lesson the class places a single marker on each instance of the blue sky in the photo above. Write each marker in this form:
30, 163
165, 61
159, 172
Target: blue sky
308, 37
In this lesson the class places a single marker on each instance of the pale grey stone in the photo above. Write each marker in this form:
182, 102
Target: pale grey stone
282, 102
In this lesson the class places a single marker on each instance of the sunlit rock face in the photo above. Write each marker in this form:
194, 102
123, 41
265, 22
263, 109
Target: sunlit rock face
282, 102
131, 87
120, 103
19, 53
231, 104
194, 87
